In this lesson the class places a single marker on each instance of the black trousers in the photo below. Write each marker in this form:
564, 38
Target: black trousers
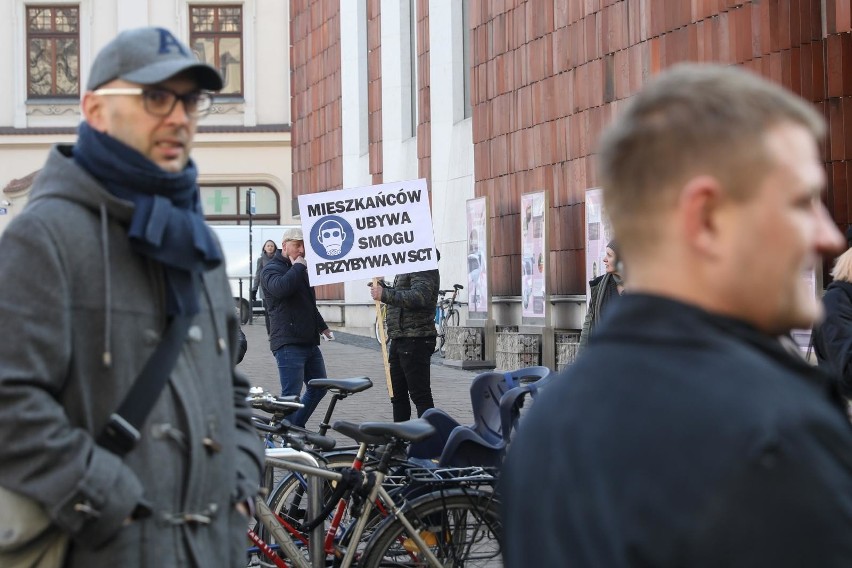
410, 360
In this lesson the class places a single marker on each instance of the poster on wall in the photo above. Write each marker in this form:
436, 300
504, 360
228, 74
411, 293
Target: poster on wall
598, 234
533, 255
477, 258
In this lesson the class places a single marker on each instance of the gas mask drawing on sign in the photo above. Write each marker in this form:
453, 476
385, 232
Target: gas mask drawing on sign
331, 236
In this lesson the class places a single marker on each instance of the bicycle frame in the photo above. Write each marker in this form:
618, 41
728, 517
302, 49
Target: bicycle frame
317, 554
286, 458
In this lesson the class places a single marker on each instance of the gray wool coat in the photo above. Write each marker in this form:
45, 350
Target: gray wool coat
81, 312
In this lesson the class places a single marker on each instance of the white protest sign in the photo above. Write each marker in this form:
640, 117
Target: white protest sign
364, 232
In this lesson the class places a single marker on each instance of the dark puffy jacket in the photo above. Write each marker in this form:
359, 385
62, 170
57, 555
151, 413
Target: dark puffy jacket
291, 304
411, 304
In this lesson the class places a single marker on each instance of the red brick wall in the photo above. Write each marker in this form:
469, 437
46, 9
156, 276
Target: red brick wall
317, 141
547, 77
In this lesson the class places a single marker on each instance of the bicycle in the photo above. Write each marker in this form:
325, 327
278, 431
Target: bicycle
407, 479
457, 523
446, 314
288, 499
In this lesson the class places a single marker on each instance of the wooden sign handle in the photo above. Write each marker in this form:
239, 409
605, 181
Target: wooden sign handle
384, 341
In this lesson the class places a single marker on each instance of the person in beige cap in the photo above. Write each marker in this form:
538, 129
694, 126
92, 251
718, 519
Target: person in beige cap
295, 323
129, 256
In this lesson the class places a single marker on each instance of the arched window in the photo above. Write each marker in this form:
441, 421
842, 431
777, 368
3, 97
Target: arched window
226, 204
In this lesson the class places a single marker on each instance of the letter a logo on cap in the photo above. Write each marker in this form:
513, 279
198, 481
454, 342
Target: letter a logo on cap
166, 40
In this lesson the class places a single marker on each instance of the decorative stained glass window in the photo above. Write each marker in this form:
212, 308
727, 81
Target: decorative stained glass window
216, 36
53, 51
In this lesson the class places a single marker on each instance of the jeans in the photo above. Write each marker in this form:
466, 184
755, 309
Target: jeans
299, 364
410, 359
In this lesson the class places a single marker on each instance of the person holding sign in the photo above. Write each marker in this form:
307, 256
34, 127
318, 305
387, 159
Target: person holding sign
410, 324
295, 323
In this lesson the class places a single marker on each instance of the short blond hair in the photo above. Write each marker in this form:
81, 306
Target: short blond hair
843, 267
690, 120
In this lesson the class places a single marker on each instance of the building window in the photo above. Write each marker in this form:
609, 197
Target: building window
216, 38
363, 80
53, 51
468, 110
409, 72
226, 204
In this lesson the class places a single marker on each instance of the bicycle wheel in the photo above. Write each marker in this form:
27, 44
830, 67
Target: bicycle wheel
460, 529
439, 330
452, 318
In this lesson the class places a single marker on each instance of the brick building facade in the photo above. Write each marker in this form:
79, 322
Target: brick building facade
545, 78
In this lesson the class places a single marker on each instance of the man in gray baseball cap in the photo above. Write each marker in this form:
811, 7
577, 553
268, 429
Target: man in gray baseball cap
143, 73
129, 266
148, 56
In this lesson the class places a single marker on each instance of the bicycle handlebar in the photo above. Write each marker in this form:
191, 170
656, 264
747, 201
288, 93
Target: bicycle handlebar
273, 404
294, 435
454, 291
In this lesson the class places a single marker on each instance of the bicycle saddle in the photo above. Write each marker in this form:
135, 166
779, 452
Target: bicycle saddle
410, 430
351, 430
355, 384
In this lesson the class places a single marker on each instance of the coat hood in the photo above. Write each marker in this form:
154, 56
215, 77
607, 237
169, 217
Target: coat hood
62, 177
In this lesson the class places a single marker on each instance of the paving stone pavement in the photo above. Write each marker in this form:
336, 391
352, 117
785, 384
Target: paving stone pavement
353, 356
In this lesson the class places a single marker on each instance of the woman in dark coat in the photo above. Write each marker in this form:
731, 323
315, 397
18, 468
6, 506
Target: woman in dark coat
604, 290
833, 337
269, 250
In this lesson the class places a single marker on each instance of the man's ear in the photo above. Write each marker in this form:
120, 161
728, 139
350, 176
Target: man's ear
94, 109
700, 204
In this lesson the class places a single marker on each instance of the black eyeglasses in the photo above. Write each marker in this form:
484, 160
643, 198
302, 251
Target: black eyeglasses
161, 102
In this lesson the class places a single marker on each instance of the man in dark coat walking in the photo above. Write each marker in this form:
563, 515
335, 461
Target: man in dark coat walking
686, 434
295, 323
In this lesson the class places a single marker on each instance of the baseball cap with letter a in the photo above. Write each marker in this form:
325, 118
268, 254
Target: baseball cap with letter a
148, 56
